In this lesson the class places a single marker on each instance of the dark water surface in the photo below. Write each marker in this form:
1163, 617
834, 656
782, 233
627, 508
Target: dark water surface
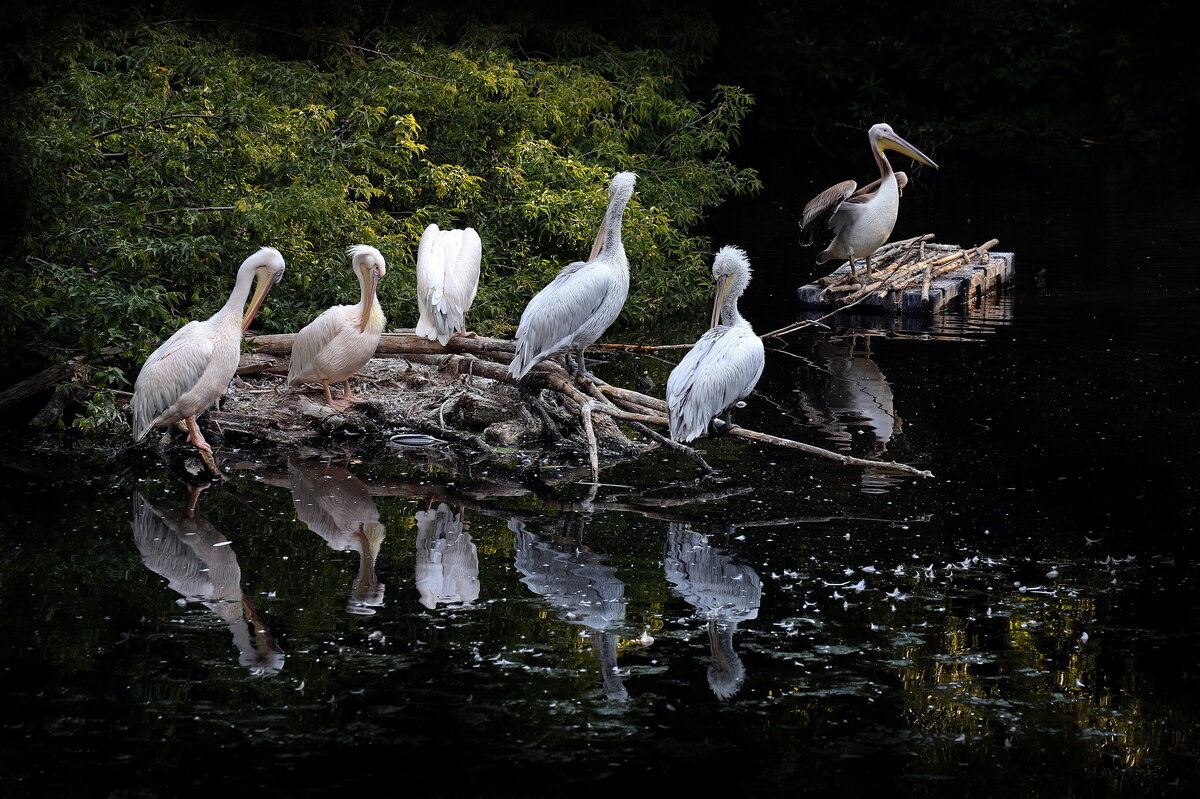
1025, 623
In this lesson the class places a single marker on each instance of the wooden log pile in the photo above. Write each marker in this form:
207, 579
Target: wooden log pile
914, 275
550, 391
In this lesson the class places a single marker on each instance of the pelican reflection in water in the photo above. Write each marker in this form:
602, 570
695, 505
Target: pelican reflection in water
447, 561
580, 587
337, 506
849, 394
199, 564
721, 590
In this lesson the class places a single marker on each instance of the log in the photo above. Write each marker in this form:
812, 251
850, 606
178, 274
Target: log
487, 357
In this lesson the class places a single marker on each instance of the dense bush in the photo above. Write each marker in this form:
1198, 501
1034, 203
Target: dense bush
153, 159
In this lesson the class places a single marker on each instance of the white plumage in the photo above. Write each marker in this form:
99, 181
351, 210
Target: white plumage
447, 279
190, 371
338, 506
447, 563
575, 308
341, 340
861, 219
725, 364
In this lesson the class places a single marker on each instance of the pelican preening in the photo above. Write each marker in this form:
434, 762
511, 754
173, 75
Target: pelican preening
575, 308
191, 370
447, 279
340, 341
725, 364
337, 506
861, 220
198, 563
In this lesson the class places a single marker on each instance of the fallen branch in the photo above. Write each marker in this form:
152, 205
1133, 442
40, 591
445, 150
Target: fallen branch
488, 357
787, 443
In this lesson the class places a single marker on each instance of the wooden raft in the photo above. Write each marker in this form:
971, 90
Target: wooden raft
914, 276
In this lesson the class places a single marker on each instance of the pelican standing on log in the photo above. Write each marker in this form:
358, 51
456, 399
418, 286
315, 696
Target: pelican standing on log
339, 342
191, 370
861, 219
575, 308
447, 279
725, 364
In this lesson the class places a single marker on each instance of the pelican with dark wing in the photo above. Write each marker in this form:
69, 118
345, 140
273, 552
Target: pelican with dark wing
339, 342
575, 308
860, 219
447, 278
191, 370
725, 364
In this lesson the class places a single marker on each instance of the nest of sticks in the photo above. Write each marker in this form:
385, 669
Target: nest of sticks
462, 394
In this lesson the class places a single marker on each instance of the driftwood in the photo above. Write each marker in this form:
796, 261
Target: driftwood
550, 388
50, 376
461, 394
911, 267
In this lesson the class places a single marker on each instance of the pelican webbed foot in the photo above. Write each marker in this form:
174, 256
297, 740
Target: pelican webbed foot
195, 437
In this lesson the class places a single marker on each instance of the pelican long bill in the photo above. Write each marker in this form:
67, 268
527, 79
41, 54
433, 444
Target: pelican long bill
263, 283
369, 299
891, 141
719, 299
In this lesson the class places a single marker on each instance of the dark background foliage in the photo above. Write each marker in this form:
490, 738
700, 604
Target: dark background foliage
314, 125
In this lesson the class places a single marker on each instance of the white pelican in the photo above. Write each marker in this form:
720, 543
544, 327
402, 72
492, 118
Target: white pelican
861, 220
722, 591
447, 559
725, 364
199, 563
341, 340
338, 506
191, 370
447, 278
575, 308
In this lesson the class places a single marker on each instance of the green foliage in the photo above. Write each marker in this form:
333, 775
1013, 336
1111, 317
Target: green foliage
152, 159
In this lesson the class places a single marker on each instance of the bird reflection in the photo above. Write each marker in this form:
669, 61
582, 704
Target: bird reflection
721, 591
447, 561
579, 586
198, 563
337, 506
851, 393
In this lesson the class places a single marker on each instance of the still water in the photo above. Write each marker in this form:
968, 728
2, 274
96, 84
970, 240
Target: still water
1024, 623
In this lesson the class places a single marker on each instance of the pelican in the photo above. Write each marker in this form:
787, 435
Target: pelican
340, 341
191, 370
447, 278
447, 559
337, 506
199, 563
861, 220
584, 299
725, 363
723, 591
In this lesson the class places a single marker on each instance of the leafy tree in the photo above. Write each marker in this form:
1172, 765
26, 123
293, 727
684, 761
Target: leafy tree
151, 159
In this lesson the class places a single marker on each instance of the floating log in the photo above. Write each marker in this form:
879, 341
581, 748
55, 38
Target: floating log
914, 276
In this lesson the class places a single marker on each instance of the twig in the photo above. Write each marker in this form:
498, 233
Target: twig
585, 410
787, 443
154, 121
675, 445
